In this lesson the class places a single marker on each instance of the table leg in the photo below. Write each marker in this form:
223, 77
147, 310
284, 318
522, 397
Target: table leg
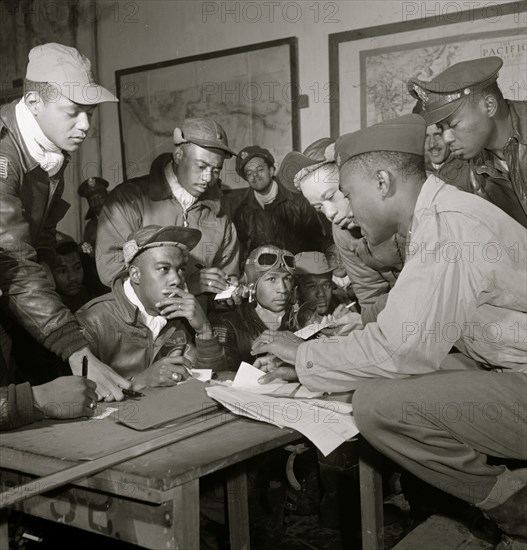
371, 498
4, 535
238, 507
186, 516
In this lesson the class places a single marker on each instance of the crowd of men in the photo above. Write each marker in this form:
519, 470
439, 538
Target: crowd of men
420, 219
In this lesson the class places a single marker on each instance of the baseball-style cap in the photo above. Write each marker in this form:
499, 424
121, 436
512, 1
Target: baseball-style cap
445, 94
69, 71
250, 152
204, 132
312, 263
91, 186
405, 134
151, 236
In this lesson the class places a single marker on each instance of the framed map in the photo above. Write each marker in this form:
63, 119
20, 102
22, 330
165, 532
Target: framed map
251, 91
369, 68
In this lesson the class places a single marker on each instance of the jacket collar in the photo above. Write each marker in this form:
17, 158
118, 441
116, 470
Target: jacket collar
517, 111
9, 124
128, 311
282, 196
159, 189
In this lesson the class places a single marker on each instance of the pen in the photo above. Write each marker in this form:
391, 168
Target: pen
350, 305
201, 266
132, 393
85, 366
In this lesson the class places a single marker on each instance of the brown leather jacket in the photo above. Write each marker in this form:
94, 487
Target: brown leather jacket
148, 200
118, 338
489, 180
30, 207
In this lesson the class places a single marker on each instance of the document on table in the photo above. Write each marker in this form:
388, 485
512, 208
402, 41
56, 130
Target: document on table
327, 424
247, 380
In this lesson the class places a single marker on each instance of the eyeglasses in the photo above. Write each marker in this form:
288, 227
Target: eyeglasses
265, 261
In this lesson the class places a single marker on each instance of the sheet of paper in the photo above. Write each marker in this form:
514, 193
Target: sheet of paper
247, 376
104, 414
310, 330
326, 428
227, 293
203, 375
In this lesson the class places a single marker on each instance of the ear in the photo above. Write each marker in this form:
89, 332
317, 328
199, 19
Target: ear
33, 102
177, 155
271, 171
135, 274
385, 183
490, 105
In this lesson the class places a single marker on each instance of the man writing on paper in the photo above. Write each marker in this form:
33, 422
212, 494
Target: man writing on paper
451, 291
37, 133
145, 327
180, 190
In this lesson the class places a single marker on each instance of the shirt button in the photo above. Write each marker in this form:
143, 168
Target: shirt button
309, 364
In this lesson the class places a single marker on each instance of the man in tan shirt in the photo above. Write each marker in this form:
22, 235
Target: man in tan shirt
464, 283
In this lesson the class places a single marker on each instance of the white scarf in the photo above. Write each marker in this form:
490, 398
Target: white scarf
154, 323
41, 149
269, 197
180, 193
341, 282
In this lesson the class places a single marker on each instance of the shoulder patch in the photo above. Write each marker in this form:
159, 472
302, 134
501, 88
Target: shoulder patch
4, 164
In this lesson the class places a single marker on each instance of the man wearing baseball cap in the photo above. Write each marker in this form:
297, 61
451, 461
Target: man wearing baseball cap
178, 190
149, 328
453, 290
480, 126
270, 213
37, 133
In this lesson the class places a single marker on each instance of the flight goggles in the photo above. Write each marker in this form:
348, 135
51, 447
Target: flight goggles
267, 260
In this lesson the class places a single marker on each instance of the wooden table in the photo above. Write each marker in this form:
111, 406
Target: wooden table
152, 500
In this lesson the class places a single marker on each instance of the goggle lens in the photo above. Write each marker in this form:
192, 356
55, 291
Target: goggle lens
270, 259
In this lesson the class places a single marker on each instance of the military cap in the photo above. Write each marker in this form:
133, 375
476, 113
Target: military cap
151, 236
312, 263
405, 134
250, 152
63, 238
318, 150
68, 70
204, 132
91, 186
444, 95
293, 163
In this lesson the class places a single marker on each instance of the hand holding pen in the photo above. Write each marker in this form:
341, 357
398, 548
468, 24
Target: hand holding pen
208, 280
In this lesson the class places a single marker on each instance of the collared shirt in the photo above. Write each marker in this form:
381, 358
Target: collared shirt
155, 323
464, 283
180, 193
